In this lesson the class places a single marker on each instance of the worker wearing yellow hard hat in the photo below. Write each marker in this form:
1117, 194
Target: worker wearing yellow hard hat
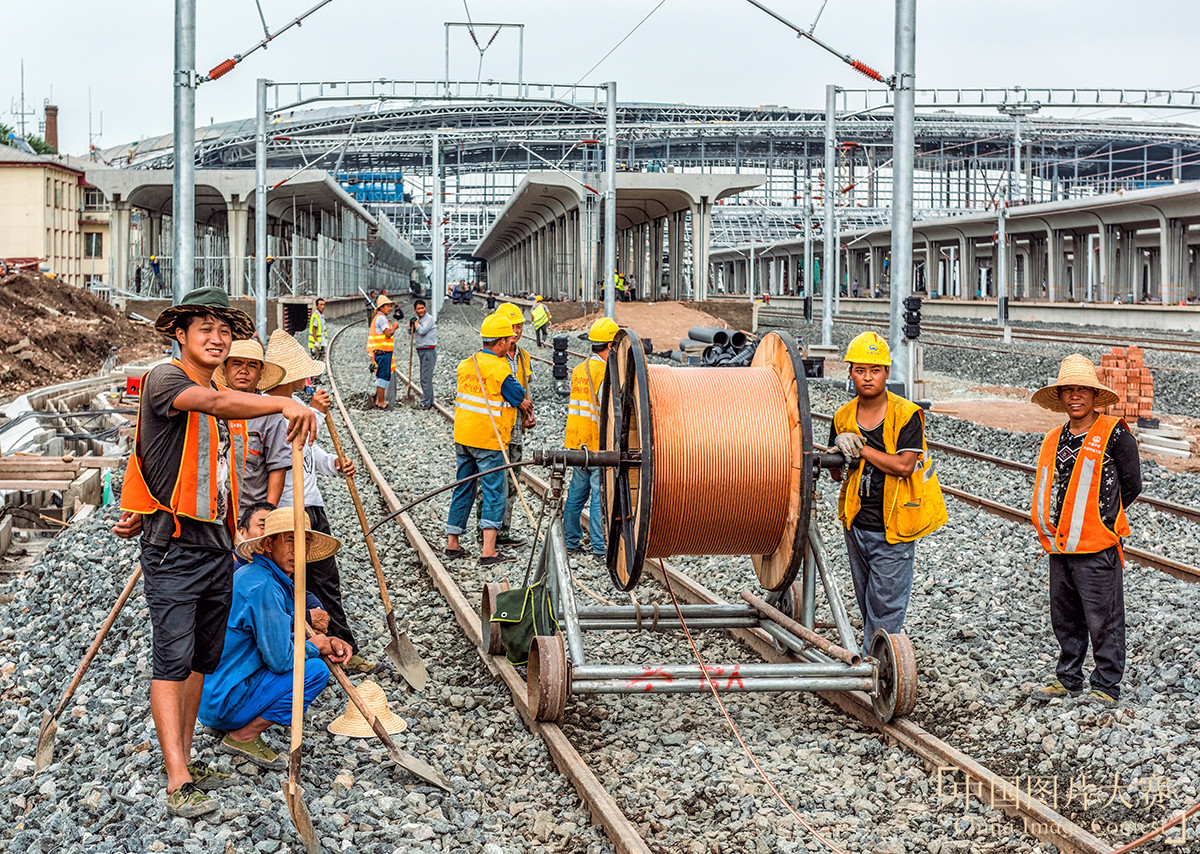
485, 409
520, 363
541, 320
890, 496
583, 431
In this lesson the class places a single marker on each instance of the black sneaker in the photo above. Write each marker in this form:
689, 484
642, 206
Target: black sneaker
504, 538
497, 558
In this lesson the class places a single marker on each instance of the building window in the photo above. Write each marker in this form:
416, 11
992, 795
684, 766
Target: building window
93, 200
58, 195
93, 244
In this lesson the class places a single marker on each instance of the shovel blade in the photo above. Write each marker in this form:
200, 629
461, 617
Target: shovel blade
407, 661
300, 817
45, 743
419, 768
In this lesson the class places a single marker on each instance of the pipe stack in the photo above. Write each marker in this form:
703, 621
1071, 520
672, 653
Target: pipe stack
721, 347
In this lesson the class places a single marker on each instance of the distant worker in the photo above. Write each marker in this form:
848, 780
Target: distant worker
520, 363
583, 431
251, 689
854, 288
541, 320
619, 284
317, 339
491, 302
1088, 473
482, 426
631, 287
379, 346
423, 329
156, 269
890, 496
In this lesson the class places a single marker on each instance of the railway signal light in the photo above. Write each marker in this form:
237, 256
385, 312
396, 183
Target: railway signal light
912, 317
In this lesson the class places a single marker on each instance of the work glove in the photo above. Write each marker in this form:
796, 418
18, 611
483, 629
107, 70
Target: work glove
850, 444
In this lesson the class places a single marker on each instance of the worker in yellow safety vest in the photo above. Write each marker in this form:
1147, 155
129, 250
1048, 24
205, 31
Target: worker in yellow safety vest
485, 409
1088, 473
316, 331
583, 431
541, 320
379, 346
619, 284
890, 495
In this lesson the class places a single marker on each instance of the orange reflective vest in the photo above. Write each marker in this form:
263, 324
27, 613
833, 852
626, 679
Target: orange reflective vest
912, 506
583, 410
196, 491
524, 367
1080, 530
377, 340
481, 412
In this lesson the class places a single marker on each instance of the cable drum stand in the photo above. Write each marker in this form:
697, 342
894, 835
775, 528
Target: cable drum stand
652, 454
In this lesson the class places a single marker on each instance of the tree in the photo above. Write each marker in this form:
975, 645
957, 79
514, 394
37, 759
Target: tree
38, 144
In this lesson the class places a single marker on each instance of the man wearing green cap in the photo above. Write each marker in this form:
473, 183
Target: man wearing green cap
180, 493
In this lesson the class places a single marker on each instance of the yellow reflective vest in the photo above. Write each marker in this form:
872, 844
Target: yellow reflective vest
912, 506
540, 316
524, 367
377, 340
316, 329
583, 410
478, 407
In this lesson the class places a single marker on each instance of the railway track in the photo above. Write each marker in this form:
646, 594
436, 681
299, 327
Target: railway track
1161, 343
1038, 819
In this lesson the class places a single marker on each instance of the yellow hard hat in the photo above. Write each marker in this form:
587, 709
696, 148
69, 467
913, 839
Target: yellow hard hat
514, 315
496, 326
869, 348
603, 330
538, 298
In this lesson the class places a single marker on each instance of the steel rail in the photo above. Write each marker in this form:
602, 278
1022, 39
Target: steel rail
603, 807
1038, 819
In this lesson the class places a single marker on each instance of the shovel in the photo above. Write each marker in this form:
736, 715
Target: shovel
49, 731
292, 792
400, 651
405, 760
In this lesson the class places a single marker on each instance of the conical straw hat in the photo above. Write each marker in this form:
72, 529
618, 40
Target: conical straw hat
1079, 371
248, 348
282, 521
383, 300
285, 351
353, 724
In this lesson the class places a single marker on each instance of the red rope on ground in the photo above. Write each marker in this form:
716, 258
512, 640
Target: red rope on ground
1138, 843
745, 748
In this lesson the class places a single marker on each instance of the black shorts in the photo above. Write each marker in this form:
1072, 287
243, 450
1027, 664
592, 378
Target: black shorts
189, 592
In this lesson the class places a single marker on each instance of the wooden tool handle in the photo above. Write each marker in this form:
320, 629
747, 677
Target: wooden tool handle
301, 552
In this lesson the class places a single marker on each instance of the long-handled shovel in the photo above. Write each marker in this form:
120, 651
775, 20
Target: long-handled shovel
405, 760
400, 651
49, 730
292, 792
408, 392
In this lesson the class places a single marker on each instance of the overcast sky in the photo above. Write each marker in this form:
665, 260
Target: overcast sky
696, 51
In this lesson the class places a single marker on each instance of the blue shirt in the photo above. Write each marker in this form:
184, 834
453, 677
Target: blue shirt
512, 391
258, 638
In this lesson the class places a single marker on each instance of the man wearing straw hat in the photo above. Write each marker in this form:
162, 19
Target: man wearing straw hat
251, 689
180, 493
1088, 473
267, 455
323, 577
485, 408
380, 345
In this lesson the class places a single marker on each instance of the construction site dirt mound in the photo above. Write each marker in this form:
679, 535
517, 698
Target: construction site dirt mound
53, 333
665, 323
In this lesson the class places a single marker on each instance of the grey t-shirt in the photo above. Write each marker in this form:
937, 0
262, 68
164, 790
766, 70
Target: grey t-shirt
161, 435
426, 333
267, 451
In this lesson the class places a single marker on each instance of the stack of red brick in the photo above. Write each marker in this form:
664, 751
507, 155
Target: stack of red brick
1124, 371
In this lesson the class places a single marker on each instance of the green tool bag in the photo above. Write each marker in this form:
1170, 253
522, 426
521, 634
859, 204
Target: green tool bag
522, 614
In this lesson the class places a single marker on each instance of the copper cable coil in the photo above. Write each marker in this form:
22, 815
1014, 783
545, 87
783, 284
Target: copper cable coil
722, 458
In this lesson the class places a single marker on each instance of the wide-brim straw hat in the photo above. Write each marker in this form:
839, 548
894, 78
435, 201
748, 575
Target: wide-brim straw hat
212, 301
1076, 370
352, 722
282, 521
272, 374
287, 352
383, 300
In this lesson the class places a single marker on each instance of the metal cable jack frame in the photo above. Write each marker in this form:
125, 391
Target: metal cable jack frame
638, 469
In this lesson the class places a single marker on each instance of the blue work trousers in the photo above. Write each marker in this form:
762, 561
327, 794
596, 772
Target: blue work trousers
584, 483
883, 578
472, 461
271, 698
